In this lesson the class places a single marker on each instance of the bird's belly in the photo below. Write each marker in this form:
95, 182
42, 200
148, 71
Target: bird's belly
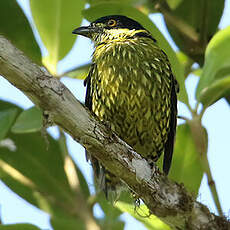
139, 116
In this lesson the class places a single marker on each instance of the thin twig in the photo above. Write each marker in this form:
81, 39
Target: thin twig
201, 114
212, 185
200, 138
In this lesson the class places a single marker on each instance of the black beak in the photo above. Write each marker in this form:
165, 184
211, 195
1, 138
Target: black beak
85, 31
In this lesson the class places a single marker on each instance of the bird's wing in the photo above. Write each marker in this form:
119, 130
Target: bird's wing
168, 151
88, 104
87, 84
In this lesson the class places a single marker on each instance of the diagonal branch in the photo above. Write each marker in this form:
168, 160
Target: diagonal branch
166, 199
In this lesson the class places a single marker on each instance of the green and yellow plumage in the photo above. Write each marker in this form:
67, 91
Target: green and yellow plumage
131, 86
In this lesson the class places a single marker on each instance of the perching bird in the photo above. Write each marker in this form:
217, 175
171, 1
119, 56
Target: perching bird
130, 85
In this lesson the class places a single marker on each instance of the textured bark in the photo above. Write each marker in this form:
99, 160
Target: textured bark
166, 199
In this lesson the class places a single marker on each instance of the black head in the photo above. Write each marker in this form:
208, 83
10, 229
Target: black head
109, 24
118, 22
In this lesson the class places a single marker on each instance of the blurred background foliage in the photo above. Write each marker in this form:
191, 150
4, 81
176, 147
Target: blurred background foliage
49, 179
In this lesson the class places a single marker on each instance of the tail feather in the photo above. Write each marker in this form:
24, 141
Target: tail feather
109, 184
105, 181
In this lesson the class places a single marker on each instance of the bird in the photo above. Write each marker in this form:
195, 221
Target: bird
131, 87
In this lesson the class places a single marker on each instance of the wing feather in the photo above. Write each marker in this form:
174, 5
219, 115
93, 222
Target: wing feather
168, 151
88, 104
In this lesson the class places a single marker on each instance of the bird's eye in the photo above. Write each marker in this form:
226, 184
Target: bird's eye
112, 23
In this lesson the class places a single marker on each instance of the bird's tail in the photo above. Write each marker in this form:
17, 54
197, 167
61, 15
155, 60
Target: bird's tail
105, 181
109, 184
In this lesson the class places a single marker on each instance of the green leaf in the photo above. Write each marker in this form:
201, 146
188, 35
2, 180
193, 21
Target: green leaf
183, 59
173, 4
39, 172
79, 72
151, 222
220, 88
186, 63
202, 17
186, 165
108, 8
55, 21
216, 68
7, 118
72, 171
28, 121
15, 27
4, 105
19, 227
110, 211
20, 185
83, 183
112, 224
130, 2
61, 223
197, 72
193, 11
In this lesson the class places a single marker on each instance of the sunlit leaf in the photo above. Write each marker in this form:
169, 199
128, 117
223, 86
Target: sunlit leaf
112, 224
110, 211
19, 227
79, 72
15, 181
109, 8
197, 72
142, 215
182, 57
186, 63
83, 183
55, 21
15, 27
36, 170
28, 121
186, 165
72, 171
173, 4
7, 118
216, 68
130, 2
220, 88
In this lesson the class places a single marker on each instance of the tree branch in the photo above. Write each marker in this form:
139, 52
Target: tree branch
165, 199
